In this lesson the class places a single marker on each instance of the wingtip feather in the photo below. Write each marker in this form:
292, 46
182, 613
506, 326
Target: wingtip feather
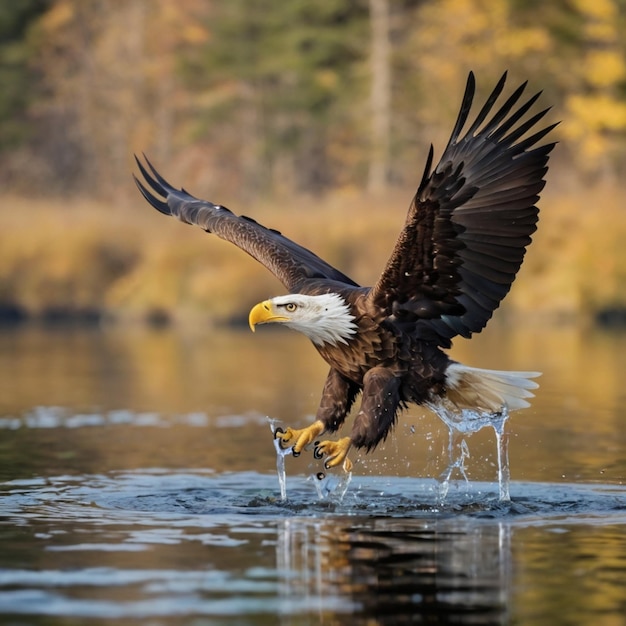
159, 205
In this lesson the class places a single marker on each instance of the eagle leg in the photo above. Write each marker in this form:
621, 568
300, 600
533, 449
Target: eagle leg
379, 407
337, 398
298, 439
381, 399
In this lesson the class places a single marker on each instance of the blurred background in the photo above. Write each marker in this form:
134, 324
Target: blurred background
313, 116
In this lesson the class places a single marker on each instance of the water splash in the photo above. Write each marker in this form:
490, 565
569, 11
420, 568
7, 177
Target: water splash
456, 460
504, 470
460, 424
331, 486
328, 485
281, 453
466, 422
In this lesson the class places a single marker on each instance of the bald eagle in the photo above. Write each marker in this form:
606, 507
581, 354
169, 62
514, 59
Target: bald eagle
462, 243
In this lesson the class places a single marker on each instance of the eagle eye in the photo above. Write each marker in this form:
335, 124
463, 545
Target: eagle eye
291, 307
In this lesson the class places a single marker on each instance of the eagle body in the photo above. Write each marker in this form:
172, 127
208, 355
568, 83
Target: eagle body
457, 255
381, 342
395, 368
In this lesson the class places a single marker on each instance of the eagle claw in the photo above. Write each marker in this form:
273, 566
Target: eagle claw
299, 439
281, 440
337, 452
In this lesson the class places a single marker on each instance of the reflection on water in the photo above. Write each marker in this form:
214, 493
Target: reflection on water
388, 569
138, 484
190, 382
160, 544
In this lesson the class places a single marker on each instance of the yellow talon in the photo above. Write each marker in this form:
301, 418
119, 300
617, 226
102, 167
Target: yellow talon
299, 439
336, 452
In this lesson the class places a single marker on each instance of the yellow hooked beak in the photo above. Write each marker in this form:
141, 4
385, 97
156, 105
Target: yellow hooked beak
263, 313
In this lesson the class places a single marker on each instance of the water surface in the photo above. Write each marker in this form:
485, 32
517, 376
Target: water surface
138, 485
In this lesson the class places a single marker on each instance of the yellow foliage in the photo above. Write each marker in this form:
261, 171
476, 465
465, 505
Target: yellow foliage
195, 33
590, 113
604, 68
477, 32
522, 41
327, 78
59, 15
114, 72
601, 31
454, 36
597, 10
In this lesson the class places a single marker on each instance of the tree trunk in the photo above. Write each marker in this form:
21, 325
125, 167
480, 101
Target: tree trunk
380, 96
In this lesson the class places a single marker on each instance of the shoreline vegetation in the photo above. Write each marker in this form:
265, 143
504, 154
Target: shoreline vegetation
92, 262
297, 106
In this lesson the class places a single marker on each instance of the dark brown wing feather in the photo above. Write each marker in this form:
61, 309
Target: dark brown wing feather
292, 264
470, 222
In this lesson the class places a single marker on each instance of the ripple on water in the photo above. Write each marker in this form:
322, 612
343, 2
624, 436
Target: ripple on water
146, 494
158, 544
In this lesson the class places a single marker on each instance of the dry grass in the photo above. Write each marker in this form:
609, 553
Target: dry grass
576, 267
130, 263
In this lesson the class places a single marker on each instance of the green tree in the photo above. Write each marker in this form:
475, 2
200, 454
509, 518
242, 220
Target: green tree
17, 74
287, 80
380, 95
106, 86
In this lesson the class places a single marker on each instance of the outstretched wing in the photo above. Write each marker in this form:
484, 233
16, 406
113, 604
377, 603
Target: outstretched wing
292, 264
470, 221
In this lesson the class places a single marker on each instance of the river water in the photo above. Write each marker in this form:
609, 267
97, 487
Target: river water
138, 485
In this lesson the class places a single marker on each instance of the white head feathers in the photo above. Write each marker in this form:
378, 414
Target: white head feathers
325, 318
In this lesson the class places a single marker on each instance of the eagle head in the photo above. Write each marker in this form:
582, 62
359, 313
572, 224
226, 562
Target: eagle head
324, 318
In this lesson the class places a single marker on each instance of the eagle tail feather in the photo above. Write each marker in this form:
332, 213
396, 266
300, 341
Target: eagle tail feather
489, 391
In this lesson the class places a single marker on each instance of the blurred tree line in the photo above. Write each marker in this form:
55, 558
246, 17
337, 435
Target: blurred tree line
261, 98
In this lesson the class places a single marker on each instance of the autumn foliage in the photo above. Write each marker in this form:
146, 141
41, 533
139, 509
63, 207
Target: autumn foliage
314, 116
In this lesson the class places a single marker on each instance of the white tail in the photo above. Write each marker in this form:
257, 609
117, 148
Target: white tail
488, 390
